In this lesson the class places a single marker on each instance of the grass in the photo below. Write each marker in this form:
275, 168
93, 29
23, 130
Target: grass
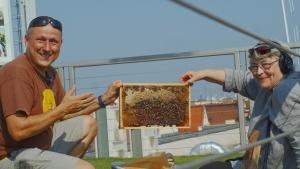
105, 163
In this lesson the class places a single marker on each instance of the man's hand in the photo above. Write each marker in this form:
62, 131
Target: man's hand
73, 104
112, 92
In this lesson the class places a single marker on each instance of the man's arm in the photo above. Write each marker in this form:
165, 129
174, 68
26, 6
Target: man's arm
21, 126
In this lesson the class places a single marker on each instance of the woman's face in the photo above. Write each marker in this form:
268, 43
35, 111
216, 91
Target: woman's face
266, 71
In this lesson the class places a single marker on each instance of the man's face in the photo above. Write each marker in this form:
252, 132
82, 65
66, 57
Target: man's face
43, 45
266, 71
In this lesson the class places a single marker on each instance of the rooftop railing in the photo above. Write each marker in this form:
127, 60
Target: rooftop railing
79, 74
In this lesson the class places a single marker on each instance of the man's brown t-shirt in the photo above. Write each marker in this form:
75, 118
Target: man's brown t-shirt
22, 88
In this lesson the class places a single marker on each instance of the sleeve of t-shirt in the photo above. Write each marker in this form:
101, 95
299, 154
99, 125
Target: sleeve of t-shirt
240, 82
16, 95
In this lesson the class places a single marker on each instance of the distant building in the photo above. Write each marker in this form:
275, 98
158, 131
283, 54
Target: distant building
223, 111
197, 119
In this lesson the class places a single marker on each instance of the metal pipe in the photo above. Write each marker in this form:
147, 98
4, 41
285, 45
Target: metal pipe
202, 162
230, 25
285, 22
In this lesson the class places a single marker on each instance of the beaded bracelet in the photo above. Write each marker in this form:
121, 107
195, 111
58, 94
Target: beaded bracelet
100, 101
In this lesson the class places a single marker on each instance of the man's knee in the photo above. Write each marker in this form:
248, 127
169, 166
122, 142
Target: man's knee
90, 126
217, 165
81, 164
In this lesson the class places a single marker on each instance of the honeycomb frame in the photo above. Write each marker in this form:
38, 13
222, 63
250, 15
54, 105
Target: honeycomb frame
154, 105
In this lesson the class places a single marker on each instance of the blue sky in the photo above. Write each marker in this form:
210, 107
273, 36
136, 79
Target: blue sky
100, 29
115, 28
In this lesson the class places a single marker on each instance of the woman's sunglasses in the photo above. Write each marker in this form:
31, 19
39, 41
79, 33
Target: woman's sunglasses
45, 20
260, 49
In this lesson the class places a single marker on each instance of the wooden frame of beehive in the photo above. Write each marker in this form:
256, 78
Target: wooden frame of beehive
154, 105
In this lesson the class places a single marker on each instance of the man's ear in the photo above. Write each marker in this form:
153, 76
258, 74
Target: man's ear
26, 39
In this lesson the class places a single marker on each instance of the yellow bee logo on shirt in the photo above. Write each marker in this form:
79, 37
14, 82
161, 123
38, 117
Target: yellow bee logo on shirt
48, 100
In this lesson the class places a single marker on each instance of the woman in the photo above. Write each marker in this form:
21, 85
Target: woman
274, 86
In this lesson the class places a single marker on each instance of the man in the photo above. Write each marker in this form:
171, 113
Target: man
33, 107
274, 86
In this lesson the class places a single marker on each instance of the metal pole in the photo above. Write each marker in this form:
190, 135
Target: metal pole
243, 138
102, 135
285, 22
136, 140
71, 76
61, 74
23, 23
96, 139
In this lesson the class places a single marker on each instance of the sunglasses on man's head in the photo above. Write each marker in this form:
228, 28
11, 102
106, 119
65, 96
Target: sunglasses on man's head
43, 21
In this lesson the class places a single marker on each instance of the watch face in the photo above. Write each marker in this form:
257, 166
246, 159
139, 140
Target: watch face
154, 105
